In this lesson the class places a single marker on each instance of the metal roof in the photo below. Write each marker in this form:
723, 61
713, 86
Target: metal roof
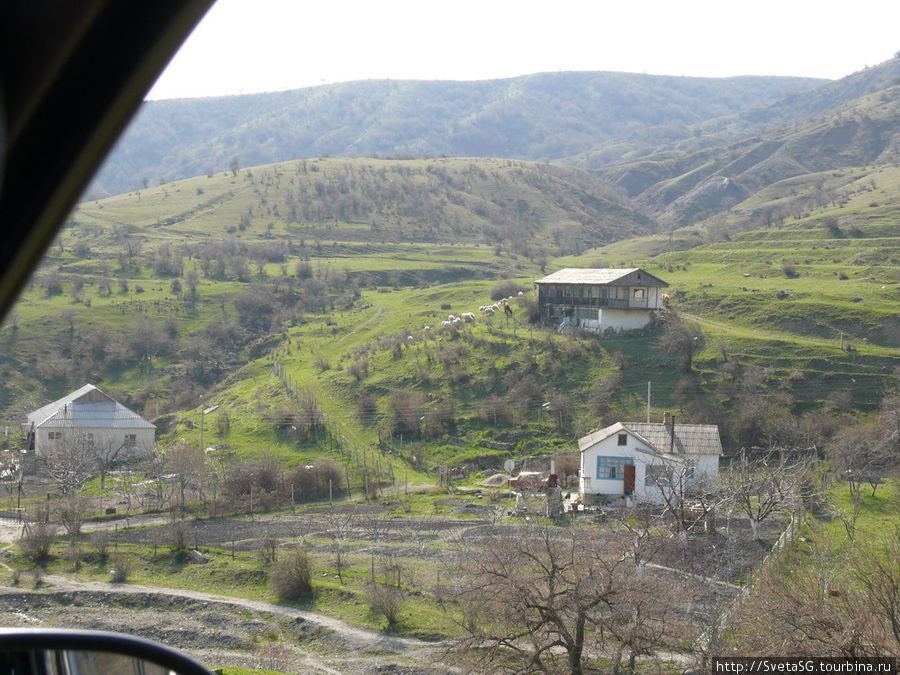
693, 439
596, 276
87, 408
43, 413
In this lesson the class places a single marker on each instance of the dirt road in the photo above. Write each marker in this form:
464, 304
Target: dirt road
215, 629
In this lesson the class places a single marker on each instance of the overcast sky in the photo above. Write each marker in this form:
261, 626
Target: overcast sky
247, 46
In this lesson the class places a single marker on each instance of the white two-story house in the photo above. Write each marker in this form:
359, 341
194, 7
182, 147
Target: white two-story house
600, 299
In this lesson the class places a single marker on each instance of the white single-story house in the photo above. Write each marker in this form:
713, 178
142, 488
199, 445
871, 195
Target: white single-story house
636, 462
600, 299
89, 418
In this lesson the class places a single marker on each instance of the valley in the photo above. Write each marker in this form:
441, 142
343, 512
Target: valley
288, 327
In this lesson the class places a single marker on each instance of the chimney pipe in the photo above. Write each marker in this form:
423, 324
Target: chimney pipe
670, 424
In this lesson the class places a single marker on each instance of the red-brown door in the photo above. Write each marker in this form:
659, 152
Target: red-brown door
629, 479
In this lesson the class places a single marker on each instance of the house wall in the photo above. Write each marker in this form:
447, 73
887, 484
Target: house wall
591, 484
141, 445
624, 319
706, 469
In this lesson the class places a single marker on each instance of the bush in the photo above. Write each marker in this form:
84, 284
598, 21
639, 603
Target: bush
385, 600
100, 544
311, 481
367, 407
505, 289
72, 511
75, 555
37, 541
262, 476
291, 576
122, 567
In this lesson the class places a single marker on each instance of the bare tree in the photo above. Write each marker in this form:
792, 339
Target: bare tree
879, 582
682, 337
186, 463
534, 595
106, 454
690, 501
867, 451
646, 617
267, 547
339, 526
376, 526
760, 487
845, 602
156, 468
68, 463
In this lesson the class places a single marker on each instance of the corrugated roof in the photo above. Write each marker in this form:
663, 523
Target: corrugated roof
577, 275
46, 411
693, 439
94, 415
88, 408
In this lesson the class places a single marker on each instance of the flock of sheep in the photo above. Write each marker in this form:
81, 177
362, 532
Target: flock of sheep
468, 317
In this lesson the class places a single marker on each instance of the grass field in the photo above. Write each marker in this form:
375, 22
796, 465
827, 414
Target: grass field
811, 305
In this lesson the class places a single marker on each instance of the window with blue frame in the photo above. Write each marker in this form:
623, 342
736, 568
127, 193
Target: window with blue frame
612, 468
657, 475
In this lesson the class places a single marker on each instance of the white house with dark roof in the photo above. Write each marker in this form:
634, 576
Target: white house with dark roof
600, 299
89, 418
635, 462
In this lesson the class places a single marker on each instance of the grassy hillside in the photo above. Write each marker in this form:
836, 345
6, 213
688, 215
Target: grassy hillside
681, 188
812, 298
514, 204
697, 144
538, 117
295, 297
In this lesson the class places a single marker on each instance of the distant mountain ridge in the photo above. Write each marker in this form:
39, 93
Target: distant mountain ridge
683, 188
543, 117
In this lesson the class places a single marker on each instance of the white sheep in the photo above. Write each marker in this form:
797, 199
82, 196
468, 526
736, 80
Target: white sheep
446, 323
489, 310
468, 317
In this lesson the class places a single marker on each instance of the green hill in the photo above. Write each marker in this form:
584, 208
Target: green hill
682, 188
542, 117
295, 296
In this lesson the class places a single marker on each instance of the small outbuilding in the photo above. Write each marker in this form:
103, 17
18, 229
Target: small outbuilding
600, 299
639, 462
88, 418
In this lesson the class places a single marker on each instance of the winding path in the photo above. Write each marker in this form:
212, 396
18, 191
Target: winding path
356, 638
